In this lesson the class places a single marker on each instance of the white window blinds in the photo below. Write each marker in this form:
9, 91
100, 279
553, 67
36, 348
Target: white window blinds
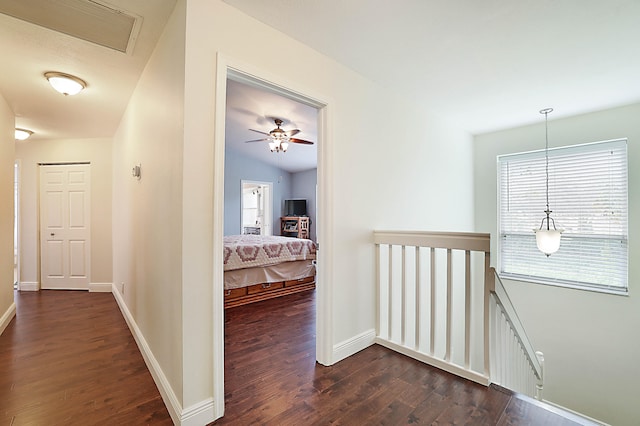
588, 197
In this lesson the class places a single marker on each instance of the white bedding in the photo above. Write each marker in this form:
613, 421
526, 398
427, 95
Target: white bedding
248, 251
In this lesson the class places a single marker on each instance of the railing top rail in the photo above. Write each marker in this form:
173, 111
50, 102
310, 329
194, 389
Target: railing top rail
447, 240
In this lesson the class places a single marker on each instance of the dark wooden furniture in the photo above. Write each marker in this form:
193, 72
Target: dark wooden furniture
294, 226
255, 293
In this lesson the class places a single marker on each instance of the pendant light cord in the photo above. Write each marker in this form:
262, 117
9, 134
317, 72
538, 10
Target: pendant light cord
546, 155
546, 112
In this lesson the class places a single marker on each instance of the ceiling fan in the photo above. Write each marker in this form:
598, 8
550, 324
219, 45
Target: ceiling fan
279, 138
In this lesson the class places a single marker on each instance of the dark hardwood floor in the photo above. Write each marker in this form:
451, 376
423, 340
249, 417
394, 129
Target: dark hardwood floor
68, 358
271, 378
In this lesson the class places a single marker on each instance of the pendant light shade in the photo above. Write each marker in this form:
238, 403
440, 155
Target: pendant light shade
547, 239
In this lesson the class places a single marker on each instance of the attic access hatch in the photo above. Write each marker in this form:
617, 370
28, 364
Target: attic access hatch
87, 20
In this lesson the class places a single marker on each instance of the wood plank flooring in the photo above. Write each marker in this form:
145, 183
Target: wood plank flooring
271, 378
68, 358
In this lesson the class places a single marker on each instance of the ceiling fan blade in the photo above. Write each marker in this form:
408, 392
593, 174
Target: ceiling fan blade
259, 131
258, 140
302, 141
292, 132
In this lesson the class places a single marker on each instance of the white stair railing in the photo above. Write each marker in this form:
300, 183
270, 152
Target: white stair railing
515, 364
437, 302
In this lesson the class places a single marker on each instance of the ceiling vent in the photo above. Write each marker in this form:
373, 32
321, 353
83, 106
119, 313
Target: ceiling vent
88, 20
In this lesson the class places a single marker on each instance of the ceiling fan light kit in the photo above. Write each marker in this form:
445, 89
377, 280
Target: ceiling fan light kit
278, 138
66, 84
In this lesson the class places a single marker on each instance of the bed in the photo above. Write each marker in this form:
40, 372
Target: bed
259, 267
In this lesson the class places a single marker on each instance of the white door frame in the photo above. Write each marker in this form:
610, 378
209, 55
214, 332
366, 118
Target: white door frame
17, 183
228, 68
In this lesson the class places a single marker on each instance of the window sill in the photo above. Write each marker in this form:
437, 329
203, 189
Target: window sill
583, 287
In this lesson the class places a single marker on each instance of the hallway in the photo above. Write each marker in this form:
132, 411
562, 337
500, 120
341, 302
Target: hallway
68, 358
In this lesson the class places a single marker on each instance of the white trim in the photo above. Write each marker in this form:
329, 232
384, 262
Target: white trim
218, 160
435, 362
168, 396
100, 287
198, 414
575, 416
324, 233
29, 286
227, 67
7, 317
17, 174
355, 344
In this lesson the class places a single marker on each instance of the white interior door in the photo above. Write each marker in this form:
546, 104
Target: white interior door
65, 226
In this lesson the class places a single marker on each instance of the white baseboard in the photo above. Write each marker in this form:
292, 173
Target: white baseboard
6, 318
198, 414
100, 287
29, 286
575, 416
355, 344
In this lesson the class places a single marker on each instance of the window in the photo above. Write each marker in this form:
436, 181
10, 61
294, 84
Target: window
588, 197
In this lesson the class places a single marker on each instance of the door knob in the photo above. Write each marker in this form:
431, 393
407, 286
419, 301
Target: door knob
53, 235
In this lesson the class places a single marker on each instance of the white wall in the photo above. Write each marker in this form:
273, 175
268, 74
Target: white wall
419, 179
240, 167
590, 340
163, 224
147, 213
98, 153
7, 146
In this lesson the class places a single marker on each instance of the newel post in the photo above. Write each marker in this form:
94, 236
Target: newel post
489, 286
540, 381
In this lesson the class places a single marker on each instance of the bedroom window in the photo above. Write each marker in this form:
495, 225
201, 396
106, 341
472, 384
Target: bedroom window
588, 196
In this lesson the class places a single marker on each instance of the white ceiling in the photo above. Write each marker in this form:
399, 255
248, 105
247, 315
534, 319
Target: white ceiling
483, 65
250, 107
28, 51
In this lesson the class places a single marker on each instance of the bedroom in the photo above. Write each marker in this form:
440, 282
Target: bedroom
263, 185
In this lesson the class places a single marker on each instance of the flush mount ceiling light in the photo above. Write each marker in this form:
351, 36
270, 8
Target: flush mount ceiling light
547, 240
66, 84
22, 134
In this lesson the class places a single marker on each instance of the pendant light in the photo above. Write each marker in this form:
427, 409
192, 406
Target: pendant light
547, 239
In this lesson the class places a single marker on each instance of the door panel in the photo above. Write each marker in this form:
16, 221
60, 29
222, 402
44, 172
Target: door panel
65, 226
55, 259
76, 210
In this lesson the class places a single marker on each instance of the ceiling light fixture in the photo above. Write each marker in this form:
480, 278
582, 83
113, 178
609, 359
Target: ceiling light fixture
66, 84
547, 240
22, 134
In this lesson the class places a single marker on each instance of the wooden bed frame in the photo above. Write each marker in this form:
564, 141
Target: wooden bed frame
255, 293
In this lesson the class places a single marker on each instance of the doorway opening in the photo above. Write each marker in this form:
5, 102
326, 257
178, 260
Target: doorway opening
226, 164
257, 208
